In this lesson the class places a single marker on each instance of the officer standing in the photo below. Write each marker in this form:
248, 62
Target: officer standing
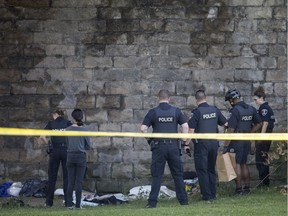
165, 119
263, 146
205, 119
57, 154
243, 119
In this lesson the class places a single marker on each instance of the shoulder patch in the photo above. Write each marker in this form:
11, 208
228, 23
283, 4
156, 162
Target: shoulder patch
264, 112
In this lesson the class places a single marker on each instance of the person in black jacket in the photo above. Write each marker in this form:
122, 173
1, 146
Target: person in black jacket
205, 119
165, 119
57, 154
243, 119
263, 146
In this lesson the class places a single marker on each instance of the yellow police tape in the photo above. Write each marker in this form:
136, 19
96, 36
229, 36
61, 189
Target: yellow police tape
218, 136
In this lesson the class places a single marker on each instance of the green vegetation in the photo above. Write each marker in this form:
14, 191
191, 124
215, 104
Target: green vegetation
266, 201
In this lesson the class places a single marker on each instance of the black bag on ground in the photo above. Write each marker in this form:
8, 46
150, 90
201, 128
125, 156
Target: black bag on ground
34, 187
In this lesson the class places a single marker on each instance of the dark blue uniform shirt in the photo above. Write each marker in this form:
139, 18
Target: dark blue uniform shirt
235, 118
267, 114
151, 117
196, 117
58, 124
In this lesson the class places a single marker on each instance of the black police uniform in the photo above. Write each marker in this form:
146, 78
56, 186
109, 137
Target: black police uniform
242, 118
165, 119
205, 119
57, 155
263, 146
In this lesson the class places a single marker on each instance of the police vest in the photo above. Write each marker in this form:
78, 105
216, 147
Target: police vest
59, 124
245, 119
208, 120
165, 121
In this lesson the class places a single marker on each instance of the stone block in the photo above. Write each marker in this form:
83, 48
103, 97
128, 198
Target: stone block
201, 63
145, 50
136, 13
115, 74
122, 171
121, 50
35, 101
238, 38
96, 116
130, 127
49, 88
125, 115
239, 62
277, 50
281, 89
151, 25
60, 26
110, 127
279, 12
21, 115
246, 25
140, 144
77, 3
159, 74
260, 49
51, 62
167, 12
263, 38
132, 62
132, 102
11, 155
101, 170
100, 143
23, 88
122, 25
249, 75
60, 50
259, 12
139, 116
276, 75
108, 102
184, 25
29, 3
73, 62
136, 157
47, 38
178, 101
109, 13
97, 62
10, 75
224, 50
96, 87
156, 86
91, 50
207, 38
110, 155
169, 62
77, 13
170, 37
188, 50
282, 63
85, 101
122, 143
267, 63
210, 75
92, 25
271, 25
126, 87
121, 3
142, 171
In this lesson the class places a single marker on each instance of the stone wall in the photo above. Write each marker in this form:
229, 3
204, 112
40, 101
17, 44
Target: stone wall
111, 57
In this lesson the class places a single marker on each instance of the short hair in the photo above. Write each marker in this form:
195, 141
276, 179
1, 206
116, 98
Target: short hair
200, 95
58, 111
164, 94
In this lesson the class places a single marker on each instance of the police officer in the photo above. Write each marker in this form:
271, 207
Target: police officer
57, 154
263, 146
205, 119
243, 119
165, 119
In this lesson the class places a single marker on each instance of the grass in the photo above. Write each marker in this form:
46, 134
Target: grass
267, 201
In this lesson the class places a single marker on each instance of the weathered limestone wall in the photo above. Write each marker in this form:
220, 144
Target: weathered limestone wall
111, 57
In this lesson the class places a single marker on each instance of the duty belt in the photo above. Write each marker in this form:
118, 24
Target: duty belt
59, 145
166, 141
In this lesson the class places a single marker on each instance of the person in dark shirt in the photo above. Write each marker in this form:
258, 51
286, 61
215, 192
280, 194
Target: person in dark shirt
165, 119
263, 146
243, 119
57, 154
76, 159
205, 119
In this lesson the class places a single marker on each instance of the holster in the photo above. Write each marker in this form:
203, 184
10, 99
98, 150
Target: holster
49, 147
154, 145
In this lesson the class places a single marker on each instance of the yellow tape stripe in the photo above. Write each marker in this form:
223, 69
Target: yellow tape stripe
218, 136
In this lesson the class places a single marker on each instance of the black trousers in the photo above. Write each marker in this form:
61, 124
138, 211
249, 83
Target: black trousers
205, 155
160, 154
76, 165
56, 156
262, 148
